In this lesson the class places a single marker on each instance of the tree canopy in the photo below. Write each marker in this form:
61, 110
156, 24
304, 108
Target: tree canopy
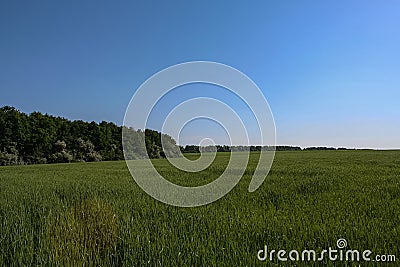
42, 138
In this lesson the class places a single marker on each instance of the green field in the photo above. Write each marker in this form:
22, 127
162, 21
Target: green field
94, 213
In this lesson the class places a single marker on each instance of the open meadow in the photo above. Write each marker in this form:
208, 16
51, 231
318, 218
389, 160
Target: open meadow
94, 213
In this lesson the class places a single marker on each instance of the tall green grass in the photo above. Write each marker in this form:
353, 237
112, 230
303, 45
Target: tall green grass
93, 214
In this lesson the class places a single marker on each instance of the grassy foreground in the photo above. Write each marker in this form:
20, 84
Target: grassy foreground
95, 214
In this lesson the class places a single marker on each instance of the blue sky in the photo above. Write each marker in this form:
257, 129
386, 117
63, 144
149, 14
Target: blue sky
329, 69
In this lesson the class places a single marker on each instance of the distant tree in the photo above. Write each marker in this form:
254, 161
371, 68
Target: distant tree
84, 151
9, 155
208, 149
288, 148
61, 154
320, 148
169, 147
154, 145
134, 144
43, 135
239, 148
191, 149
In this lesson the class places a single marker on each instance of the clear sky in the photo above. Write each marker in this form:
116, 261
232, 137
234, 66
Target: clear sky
330, 70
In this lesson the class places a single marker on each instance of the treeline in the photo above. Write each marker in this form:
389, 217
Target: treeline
325, 148
225, 148
219, 148
42, 138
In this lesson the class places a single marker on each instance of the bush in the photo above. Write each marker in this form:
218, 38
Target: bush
9, 156
61, 155
85, 151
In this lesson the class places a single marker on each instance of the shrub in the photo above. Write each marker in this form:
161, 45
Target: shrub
9, 156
